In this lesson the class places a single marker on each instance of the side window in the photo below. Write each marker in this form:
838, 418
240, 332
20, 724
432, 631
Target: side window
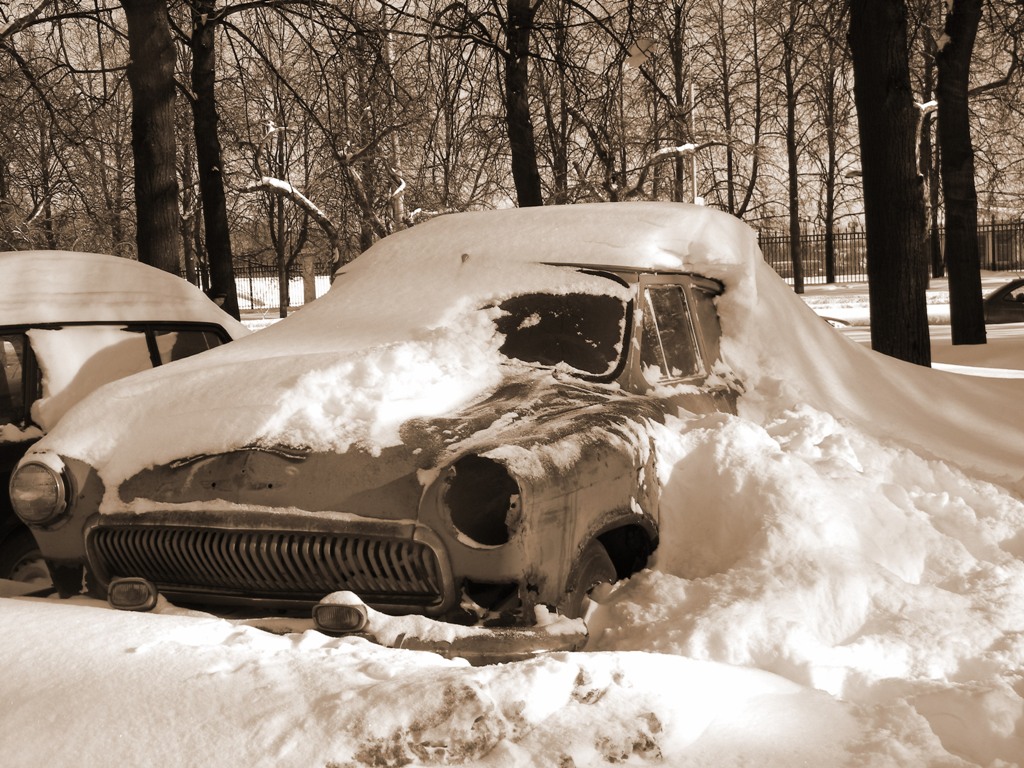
175, 345
1015, 295
707, 320
12, 395
669, 347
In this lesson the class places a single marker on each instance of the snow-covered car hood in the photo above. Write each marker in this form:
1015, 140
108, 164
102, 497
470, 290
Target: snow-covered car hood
533, 422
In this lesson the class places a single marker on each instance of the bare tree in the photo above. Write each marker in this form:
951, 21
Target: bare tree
737, 57
519, 23
954, 64
462, 143
831, 107
893, 201
64, 151
151, 75
791, 18
204, 20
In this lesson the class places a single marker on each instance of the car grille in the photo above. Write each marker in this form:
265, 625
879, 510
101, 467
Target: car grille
270, 564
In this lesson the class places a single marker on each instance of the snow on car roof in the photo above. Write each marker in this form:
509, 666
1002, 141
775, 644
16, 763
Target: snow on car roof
635, 235
400, 334
66, 286
428, 274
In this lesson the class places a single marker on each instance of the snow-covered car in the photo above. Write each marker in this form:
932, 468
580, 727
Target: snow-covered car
69, 323
461, 428
1006, 303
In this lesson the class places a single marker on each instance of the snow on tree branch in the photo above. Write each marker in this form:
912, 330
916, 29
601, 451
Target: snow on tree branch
18, 23
288, 190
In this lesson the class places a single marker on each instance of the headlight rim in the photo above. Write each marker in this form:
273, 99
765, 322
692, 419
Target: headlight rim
57, 509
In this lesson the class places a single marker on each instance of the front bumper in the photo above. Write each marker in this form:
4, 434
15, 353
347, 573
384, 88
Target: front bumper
476, 644
344, 614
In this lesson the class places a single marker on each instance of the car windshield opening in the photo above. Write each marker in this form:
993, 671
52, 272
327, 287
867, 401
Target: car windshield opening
579, 330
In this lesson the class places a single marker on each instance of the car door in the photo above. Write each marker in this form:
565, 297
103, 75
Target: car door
1013, 305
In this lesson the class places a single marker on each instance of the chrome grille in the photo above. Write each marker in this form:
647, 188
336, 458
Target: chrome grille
270, 564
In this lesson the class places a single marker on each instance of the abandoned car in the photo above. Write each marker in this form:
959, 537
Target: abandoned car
458, 429
69, 323
1006, 303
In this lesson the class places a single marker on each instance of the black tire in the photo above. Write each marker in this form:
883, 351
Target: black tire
593, 567
21, 560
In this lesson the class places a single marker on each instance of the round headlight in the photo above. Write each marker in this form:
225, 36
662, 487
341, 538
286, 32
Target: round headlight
37, 493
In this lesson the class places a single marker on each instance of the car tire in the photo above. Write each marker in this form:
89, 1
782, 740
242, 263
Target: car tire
21, 560
593, 567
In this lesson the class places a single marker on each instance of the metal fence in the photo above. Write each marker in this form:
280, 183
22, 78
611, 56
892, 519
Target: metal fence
1001, 249
850, 255
257, 287
1002, 246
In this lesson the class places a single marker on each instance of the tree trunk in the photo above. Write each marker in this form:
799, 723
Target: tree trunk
893, 199
829, 223
209, 158
929, 166
151, 76
792, 158
962, 260
522, 144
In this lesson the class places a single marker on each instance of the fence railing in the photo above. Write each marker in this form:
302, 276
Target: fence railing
257, 287
1001, 249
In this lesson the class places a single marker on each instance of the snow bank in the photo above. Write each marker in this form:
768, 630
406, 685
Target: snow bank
179, 689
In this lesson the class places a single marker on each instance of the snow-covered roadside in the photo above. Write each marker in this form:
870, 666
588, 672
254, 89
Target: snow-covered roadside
848, 302
1002, 356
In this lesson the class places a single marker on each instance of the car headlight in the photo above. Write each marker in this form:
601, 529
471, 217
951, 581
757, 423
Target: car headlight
483, 500
38, 493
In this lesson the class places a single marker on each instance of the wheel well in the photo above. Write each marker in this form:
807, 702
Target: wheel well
628, 547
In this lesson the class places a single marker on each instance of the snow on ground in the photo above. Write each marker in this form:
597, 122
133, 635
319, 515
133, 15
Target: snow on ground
840, 583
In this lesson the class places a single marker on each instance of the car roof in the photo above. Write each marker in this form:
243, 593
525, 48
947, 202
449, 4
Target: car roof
646, 236
38, 287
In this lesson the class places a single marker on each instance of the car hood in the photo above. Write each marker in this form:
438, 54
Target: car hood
533, 421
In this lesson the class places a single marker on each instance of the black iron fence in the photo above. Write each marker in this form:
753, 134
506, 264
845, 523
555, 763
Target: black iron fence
258, 286
1001, 248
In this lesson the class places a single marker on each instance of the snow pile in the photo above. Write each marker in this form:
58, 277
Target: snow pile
812, 550
839, 582
171, 689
